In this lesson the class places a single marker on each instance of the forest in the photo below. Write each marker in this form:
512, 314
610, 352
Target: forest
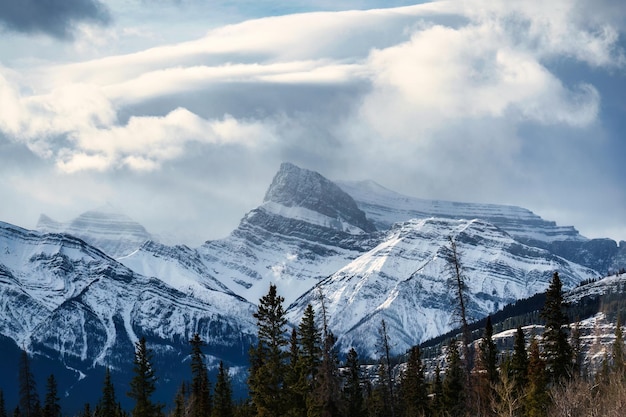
298, 372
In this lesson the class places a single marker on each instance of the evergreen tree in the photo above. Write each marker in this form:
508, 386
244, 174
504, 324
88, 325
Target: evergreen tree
200, 396
388, 377
268, 359
296, 385
143, 384
458, 287
454, 388
223, 404
29, 400
180, 401
537, 399
556, 347
3, 410
487, 372
86, 411
437, 406
51, 405
379, 398
413, 390
518, 367
108, 405
326, 399
352, 391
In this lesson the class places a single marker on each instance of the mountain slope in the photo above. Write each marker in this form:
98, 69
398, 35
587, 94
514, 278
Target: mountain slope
386, 207
404, 280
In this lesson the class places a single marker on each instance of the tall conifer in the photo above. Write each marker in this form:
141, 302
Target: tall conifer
352, 391
413, 390
51, 408
223, 399
268, 358
143, 383
200, 396
556, 347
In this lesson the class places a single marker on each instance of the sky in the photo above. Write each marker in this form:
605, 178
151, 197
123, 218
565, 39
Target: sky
178, 113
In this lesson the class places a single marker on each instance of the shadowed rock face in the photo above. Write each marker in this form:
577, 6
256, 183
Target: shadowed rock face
296, 187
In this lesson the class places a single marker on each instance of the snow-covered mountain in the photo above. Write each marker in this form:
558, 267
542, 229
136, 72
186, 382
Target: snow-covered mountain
87, 289
114, 233
405, 280
385, 207
68, 301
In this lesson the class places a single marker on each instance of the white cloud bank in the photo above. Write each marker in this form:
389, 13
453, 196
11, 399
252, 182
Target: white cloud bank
443, 84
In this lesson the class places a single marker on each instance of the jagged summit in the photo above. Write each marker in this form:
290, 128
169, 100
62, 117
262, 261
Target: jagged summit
294, 187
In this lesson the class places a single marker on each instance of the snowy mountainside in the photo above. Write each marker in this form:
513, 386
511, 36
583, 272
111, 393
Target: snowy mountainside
291, 240
114, 233
403, 281
66, 300
385, 207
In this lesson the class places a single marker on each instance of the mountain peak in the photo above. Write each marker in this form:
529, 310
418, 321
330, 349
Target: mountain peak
293, 186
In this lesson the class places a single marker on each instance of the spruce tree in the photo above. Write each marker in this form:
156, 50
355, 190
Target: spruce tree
108, 405
295, 382
454, 388
223, 400
326, 399
143, 383
268, 358
556, 347
518, 367
436, 404
352, 391
29, 400
51, 408
3, 409
537, 399
200, 396
413, 390
487, 372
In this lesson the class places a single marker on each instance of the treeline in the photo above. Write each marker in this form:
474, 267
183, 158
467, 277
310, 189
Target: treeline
297, 372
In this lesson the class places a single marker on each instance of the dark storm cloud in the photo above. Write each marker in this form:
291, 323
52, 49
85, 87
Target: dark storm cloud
56, 18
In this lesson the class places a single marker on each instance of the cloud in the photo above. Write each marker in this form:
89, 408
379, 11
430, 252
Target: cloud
56, 18
448, 100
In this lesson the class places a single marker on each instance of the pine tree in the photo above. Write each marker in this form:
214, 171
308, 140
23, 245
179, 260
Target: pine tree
295, 382
458, 286
454, 388
29, 400
51, 405
143, 384
352, 391
556, 347
385, 349
223, 404
537, 399
200, 396
268, 359
180, 401
437, 402
518, 367
326, 398
413, 390
108, 405
487, 372
86, 411
3, 410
